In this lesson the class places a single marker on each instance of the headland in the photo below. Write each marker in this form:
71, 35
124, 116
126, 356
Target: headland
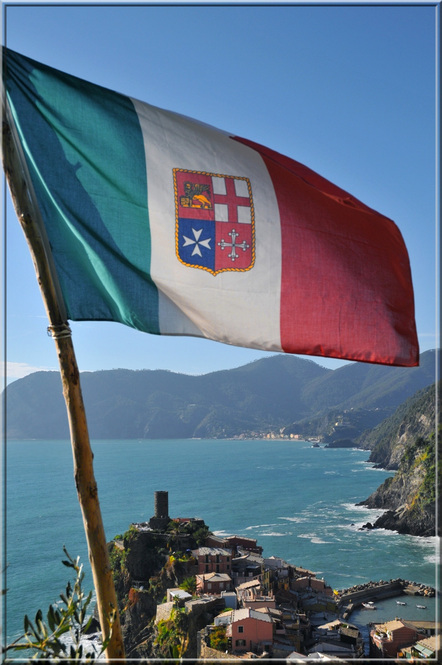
186, 593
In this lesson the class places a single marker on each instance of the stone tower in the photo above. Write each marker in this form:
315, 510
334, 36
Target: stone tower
161, 518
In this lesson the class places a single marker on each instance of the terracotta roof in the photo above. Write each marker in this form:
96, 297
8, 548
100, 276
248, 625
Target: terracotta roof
390, 625
247, 585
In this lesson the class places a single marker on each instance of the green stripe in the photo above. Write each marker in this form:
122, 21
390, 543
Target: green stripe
85, 151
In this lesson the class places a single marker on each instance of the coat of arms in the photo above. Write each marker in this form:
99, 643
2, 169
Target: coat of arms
215, 222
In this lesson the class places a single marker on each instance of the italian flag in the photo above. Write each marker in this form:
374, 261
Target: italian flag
173, 227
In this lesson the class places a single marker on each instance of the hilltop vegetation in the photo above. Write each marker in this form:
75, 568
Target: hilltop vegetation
279, 393
414, 418
407, 442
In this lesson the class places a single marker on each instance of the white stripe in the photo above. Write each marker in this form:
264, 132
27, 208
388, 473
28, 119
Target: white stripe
241, 308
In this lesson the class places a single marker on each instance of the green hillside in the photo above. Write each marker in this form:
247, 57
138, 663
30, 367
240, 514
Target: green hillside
407, 441
268, 395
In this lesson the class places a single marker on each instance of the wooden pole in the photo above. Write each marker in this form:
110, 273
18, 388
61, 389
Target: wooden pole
27, 211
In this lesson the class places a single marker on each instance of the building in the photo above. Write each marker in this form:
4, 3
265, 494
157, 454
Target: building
387, 639
250, 594
213, 583
240, 542
213, 560
333, 649
340, 635
246, 567
177, 595
307, 582
428, 648
250, 630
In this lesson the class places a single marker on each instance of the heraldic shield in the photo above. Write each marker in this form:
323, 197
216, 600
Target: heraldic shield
215, 222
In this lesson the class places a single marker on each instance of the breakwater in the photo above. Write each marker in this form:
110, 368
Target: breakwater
352, 598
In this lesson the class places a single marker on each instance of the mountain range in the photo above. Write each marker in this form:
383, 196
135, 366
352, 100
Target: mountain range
281, 393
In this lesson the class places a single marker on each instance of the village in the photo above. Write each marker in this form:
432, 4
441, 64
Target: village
241, 605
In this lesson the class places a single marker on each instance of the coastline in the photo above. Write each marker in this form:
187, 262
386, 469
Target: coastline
354, 597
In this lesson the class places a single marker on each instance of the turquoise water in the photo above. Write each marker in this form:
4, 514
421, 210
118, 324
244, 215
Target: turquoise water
298, 501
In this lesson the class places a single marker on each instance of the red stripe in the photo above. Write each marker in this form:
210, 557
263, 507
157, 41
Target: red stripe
346, 288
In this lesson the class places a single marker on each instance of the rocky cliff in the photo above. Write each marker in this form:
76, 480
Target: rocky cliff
145, 564
407, 442
389, 440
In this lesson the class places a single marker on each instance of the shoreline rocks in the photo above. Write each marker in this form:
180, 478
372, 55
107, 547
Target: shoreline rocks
398, 585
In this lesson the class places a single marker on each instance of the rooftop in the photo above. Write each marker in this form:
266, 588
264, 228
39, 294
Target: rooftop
247, 613
215, 577
389, 625
213, 551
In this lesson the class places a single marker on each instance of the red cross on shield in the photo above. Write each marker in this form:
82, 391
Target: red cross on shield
215, 222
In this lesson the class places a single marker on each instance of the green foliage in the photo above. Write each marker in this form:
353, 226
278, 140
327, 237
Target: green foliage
172, 635
155, 588
117, 558
218, 639
200, 535
403, 428
425, 455
130, 535
189, 585
196, 529
71, 619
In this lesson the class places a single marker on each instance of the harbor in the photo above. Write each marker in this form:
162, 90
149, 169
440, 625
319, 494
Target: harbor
367, 595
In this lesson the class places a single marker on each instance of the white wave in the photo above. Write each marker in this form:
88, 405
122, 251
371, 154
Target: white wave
258, 526
319, 541
425, 541
354, 526
353, 507
375, 468
91, 643
386, 532
275, 533
331, 473
293, 519
307, 535
432, 558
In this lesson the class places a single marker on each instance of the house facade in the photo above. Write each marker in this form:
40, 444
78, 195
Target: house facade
387, 639
213, 583
250, 630
213, 560
251, 594
427, 648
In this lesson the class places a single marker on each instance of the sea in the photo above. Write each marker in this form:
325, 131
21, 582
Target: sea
298, 501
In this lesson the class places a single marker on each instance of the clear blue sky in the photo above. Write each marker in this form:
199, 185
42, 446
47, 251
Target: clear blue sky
349, 91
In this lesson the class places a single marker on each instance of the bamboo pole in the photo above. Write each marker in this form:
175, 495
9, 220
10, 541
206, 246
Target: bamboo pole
28, 215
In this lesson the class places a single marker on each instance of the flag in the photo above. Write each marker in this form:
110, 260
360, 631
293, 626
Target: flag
173, 227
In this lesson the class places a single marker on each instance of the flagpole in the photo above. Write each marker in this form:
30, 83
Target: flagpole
27, 211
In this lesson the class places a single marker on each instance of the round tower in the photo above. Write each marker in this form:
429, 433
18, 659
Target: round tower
161, 503
161, 518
